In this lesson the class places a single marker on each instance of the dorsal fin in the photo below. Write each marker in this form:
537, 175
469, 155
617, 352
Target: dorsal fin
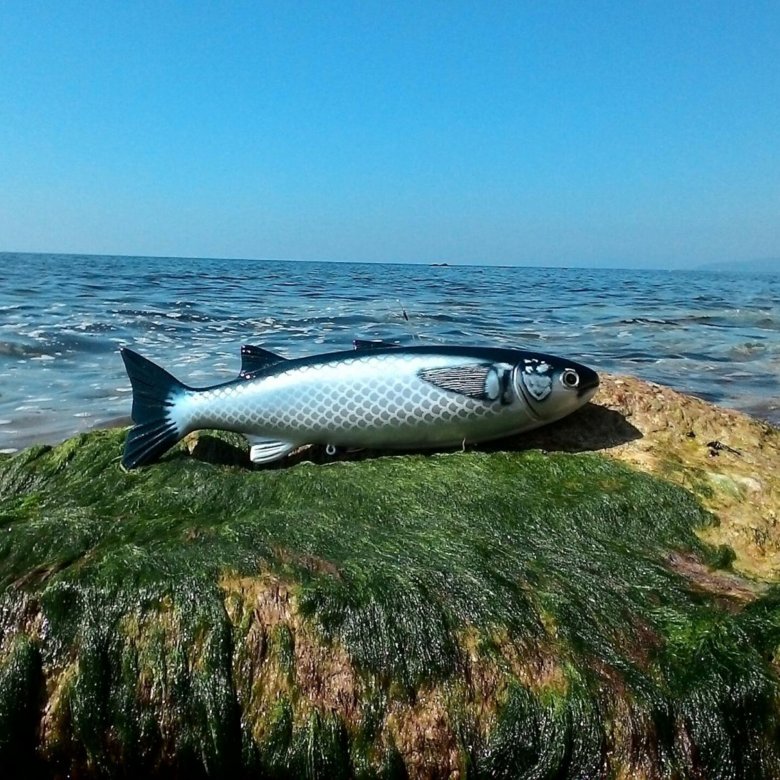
374, 343
481, 382
254, 359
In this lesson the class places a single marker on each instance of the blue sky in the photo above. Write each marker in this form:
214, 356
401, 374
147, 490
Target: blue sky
530, 133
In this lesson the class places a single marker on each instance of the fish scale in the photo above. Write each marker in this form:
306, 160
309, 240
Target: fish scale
356, 404
385, 397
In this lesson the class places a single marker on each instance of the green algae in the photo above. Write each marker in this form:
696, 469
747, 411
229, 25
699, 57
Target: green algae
523, 603
20, 700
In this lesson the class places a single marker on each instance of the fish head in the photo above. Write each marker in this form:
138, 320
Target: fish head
553, 387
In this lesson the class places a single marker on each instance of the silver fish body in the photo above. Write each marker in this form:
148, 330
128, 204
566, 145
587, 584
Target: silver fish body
385, 397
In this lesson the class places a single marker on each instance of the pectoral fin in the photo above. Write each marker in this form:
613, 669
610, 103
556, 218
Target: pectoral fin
481, 382
268, 450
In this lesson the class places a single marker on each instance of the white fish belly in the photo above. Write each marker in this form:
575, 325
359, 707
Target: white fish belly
376, 401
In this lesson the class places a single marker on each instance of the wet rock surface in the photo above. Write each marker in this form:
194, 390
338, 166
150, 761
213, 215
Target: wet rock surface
597, 599
729, 460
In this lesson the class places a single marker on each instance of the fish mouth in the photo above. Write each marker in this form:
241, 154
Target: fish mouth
589, 382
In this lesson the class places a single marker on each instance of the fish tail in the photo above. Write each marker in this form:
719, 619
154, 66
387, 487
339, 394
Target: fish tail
155, 396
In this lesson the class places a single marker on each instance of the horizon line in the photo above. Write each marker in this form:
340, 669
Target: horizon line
565, 265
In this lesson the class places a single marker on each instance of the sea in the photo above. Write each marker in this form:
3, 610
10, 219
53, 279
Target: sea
714, 334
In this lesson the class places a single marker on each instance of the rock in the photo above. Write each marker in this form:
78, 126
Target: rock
597, 599
669, 434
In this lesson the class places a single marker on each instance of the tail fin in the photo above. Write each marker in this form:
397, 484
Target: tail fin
155, 393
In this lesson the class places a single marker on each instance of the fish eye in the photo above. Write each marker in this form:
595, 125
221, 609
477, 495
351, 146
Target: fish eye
570, 378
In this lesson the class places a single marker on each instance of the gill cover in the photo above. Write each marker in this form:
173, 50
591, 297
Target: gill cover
536, 376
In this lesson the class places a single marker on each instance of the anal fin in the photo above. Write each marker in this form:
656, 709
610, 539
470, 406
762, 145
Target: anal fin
263, 450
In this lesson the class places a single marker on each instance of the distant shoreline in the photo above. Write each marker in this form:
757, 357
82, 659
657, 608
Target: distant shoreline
768, 265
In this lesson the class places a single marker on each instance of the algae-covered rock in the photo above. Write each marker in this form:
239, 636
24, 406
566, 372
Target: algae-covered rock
545, 612
729, 460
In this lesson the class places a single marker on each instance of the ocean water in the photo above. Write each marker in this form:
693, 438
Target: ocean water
63, 318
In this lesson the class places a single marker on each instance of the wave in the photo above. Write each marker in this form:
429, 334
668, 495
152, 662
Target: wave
55, 344
647, 321
727, 319
145, 315
19, 349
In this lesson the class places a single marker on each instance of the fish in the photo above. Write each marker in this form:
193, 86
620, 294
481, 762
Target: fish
381, 395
